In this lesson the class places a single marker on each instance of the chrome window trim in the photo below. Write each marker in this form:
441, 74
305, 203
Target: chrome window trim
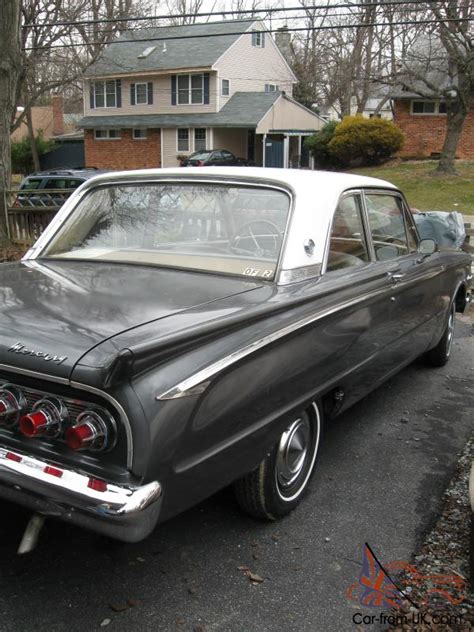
392, 193
361, 204
296, 275
83, 387
54, 227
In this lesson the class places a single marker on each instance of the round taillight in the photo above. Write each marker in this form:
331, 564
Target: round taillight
12, 404
94, 430
47, 418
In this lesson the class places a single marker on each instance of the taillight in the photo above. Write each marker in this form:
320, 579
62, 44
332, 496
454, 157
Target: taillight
47, 418
12, 404
93, 430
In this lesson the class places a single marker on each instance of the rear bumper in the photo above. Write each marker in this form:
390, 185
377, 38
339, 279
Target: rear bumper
123, 512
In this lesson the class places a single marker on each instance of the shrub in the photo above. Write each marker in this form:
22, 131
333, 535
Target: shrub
318, 145
22, 158
363, 142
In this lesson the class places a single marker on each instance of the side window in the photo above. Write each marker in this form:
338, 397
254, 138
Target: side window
347, 245
55, 184
387, 226
31, 184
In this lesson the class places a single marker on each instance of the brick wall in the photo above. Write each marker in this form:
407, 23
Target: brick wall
424, 134
123, 153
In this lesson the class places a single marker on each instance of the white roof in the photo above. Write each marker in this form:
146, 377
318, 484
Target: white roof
316, 194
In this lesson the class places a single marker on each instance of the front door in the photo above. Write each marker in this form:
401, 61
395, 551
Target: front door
274, 152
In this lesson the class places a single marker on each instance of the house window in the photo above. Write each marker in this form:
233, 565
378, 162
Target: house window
271, 87
139, 134
225, 88
191, 89
183, 139
373, 115
141, 93
106, 134
200, 139
104, 94
258, 39
428, 107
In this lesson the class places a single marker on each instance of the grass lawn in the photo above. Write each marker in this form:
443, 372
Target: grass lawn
427, 192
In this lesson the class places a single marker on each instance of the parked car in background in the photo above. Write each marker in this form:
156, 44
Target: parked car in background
214, 158
174, 332
46, 184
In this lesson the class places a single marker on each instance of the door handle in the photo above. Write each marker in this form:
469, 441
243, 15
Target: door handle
395, 277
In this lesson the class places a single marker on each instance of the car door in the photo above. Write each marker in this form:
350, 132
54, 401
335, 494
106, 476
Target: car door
228, 158
415, 301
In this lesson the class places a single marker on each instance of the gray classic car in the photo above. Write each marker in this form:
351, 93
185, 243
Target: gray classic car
176, 331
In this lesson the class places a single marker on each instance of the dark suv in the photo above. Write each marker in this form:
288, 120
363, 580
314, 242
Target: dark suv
56, 184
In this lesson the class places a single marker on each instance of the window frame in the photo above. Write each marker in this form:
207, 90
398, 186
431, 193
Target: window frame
224, 94
407, 219
104, 93
139, 129
185, 151
200, 129
190, 88
108, 136
141, 83
436, 103
258, 39
271, 87
357, 193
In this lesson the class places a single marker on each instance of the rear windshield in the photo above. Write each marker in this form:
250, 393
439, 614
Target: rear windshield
202, 155
228, 229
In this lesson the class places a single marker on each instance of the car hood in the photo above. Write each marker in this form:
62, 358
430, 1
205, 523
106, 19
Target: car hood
53, 313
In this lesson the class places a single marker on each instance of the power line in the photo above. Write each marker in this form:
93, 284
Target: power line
288, 30
140, 18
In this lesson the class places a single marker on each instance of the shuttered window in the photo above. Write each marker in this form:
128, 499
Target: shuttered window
190, 89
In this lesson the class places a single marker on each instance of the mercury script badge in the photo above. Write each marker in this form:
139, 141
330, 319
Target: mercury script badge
19, 348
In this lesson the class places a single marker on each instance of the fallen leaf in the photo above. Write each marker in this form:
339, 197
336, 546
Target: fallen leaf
119, 607
180, 621
275, 537
243, 568
105, 622
254, 577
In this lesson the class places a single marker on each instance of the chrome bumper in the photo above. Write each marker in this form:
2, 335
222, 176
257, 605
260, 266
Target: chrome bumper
124, 512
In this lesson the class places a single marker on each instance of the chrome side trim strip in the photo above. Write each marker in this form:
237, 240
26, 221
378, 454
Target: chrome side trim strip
296, 275
118, 407
188, 387
200, 381
35, 374
73, 487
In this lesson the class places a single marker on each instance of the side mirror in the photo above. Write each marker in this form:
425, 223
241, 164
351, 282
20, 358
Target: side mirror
427, 247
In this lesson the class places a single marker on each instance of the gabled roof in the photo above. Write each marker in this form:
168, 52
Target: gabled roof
244, 109
202, 51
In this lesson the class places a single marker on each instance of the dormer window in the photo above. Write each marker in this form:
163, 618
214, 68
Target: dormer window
258, 39
271, 87
146, 52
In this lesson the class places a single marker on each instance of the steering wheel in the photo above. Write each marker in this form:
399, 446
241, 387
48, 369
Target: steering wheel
259, 250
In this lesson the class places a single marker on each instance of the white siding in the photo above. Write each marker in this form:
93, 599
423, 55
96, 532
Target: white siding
249, 68
161, 98
287, 115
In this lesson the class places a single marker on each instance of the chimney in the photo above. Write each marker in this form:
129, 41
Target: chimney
283, 41
58, 117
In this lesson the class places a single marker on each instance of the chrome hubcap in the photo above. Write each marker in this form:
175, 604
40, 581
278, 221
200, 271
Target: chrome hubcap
292, 452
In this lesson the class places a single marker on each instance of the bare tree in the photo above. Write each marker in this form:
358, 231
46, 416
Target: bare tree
9, 77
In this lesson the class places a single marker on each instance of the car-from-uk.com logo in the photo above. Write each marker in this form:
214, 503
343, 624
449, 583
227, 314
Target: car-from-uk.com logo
390, 586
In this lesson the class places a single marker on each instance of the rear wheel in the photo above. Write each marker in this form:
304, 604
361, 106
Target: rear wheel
276, 487
439, 355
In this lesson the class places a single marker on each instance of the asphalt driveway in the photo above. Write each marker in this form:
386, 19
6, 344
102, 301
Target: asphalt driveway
380, 479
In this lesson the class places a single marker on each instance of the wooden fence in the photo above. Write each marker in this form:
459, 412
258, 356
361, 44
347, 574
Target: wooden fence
30, 211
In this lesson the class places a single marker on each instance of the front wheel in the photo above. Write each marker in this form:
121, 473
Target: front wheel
439, 355
276, 487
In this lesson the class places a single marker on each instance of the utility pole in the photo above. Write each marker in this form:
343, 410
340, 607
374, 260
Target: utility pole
10, 68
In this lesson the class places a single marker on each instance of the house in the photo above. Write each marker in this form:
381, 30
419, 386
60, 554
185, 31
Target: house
160, 93
377, 104
50, 120
423, 121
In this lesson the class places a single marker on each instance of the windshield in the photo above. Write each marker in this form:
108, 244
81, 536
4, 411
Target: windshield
221, 228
